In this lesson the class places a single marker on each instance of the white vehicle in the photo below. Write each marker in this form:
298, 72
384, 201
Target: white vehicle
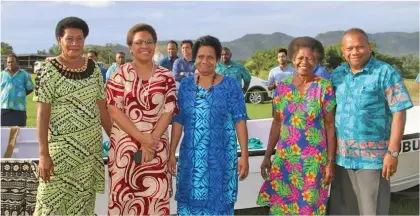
407, 176
258, 92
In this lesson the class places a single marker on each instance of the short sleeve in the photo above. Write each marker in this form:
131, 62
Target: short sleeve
109, 72
329, 101
100, 82
45, 87
396, 93
170, 97
180, 116
237, 102
29, 85
276, 99
115, 89
245, 74
271, 78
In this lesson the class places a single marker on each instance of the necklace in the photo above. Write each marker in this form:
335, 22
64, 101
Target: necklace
207, 91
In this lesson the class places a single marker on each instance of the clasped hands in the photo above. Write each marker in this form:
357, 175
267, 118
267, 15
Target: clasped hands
149, 144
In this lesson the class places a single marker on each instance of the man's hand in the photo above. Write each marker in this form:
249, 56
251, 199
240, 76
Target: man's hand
390, 166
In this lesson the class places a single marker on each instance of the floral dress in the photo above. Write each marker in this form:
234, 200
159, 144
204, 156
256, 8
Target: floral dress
294, 185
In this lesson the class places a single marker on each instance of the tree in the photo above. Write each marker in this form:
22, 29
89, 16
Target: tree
42, 52
6, 48
54, 50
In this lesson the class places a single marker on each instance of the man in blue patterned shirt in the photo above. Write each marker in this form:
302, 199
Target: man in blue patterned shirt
371, 109
236, 70
119, 60
15, 84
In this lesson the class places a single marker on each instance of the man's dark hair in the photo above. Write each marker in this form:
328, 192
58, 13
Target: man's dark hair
356, 30
174, 42
187, 41
71, 22
121, 53
93, 52
320, 49
282, 50
208, 41
13, 55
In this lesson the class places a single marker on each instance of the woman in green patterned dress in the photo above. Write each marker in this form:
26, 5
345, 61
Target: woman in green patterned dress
70, 100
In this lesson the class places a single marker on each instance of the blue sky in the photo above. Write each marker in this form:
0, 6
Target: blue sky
29, 26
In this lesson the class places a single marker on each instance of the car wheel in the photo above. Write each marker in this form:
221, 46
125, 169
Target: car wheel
256, 97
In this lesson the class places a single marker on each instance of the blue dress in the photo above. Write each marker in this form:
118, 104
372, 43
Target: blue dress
207, 179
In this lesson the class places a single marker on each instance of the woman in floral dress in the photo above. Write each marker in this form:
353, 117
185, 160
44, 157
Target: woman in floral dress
297, 180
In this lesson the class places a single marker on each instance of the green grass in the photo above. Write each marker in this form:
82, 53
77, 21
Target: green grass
255, 111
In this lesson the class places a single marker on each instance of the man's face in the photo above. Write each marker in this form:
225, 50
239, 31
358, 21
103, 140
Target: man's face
282, 58
226, 55
356, 49
120, 58
12, 64
186, 50
172, 50
92, 56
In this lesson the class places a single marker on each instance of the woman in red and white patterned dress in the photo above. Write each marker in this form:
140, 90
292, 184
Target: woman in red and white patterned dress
141, 99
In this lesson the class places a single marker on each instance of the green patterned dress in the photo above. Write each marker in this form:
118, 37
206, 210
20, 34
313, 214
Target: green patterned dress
74, 139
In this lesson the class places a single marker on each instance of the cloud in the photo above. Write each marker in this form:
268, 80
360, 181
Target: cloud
92, 3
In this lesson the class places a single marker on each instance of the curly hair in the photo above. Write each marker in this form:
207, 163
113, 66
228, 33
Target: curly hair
302, 42
71, 22
138, 28
208, 41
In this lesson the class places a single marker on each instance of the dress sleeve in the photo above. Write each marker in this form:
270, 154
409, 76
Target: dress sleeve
170, 97
46, 81
100, 82
237, 102
180, 116
115, 89
329, 101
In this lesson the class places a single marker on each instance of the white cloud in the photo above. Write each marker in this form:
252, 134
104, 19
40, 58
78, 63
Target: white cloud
92, 3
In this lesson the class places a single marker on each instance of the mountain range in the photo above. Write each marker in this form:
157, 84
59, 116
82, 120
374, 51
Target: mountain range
390, 43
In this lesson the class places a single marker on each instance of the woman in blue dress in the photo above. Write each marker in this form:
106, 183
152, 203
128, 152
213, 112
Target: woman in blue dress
213, 117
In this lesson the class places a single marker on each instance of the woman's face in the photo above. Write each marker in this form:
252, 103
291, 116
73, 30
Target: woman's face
205, 61
143, 46
72, 42
304, 61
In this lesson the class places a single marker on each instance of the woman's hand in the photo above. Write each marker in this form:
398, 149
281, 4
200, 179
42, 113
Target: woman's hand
172, 164
265, 167
243, 167
149, 142
329, 173
45, 167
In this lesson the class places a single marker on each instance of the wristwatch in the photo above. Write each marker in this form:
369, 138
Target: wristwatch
393, 153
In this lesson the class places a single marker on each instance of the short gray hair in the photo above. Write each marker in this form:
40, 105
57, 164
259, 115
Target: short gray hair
356, 30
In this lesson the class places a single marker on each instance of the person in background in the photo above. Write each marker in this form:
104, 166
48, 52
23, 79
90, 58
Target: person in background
227, 67
141, 99
169, 60
319, 56
282, 71
92, 54
71, 108
15, 85
297, 180
213, 117
371, 110
418, 81
119, 60
185, 66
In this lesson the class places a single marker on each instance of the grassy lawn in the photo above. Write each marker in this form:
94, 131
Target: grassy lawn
255, 111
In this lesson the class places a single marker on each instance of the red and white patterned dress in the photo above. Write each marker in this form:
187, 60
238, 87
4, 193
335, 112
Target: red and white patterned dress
139, 189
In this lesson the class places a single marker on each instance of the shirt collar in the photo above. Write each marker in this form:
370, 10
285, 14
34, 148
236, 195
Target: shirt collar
7, 70
365, 69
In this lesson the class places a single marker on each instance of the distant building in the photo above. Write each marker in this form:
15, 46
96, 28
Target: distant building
26, 61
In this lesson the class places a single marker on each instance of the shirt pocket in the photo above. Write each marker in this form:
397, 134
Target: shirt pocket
368, 98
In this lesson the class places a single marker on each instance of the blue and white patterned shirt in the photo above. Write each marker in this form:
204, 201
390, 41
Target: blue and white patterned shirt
14, 89
366, 102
